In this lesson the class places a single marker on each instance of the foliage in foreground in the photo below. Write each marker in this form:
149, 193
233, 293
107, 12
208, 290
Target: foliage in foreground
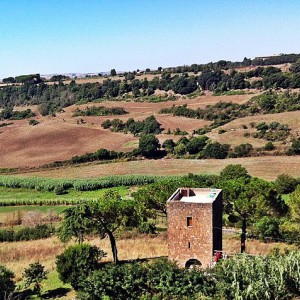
34, 275
76, 262
7, 284
242, 277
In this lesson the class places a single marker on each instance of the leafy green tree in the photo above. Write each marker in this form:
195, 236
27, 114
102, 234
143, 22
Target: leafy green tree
35, 274
247, 200
294, 205
243, 150
216, 150
268, 227
149, 145
234, 172
76, 263
168, 145
180, 149
113, 72
9, 80
104, 217
7, 284
296, 146
285, 184
154, 196
295, 67
196, 144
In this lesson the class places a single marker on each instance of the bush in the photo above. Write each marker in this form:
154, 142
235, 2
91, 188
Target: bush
26, 233
149, 145
268, 228
159, 280
33, 122
269, 146
216, 150
147, 227
76, 263
256, 277
7, 284
285, 184
35, 274
243, 150
234, 172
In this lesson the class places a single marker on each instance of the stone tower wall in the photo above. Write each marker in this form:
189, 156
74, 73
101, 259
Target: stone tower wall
199, 235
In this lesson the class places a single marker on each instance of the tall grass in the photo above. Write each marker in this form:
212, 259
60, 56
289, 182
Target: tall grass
49, 184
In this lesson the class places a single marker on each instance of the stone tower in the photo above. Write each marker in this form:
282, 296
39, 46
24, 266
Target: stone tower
194, 226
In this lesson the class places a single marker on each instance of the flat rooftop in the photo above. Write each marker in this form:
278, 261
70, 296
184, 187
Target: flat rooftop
195, 195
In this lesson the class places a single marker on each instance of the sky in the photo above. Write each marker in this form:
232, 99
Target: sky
86, 36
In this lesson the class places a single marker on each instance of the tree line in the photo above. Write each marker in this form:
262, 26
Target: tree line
52, 98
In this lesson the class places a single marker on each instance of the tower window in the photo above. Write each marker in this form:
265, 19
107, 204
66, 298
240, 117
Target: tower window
189, 221
189, 245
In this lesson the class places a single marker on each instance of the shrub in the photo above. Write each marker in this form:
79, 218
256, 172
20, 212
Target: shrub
7, 284
269, 146
158, 280
76, 263
243, 150
147, 227
234, 172
285, 184
216, 150
26, 233
33, 122
35, 274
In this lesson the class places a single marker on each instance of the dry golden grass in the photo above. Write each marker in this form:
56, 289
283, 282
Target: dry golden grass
235, 131
266, 167
17, 255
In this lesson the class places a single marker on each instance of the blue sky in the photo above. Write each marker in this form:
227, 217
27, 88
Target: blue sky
60, 36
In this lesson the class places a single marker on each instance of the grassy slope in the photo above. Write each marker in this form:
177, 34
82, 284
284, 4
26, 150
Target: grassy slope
268, 167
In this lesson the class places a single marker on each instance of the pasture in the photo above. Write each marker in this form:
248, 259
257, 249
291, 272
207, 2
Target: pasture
266, 167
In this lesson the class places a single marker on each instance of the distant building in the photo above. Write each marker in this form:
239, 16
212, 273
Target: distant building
195, 226
266, 57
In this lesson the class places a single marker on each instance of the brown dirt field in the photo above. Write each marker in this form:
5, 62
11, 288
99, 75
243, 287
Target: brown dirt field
23, 145
60, 137
266, 167
234, 135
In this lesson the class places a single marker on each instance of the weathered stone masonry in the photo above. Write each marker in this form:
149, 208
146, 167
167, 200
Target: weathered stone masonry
195, 226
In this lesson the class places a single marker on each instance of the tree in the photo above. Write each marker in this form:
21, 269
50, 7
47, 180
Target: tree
243, 150
285, 184
104, 217
9, 80
249, 199
294, 205
113, 72
76, 263
216, 150
196, 144
234, 172
168, 145
35, 274
296, 146
7, 284
149, 145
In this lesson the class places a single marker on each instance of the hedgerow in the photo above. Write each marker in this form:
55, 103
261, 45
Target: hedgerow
26, 233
